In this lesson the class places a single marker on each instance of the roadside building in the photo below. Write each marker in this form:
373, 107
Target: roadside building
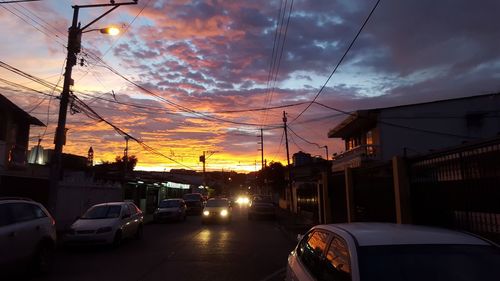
376, 135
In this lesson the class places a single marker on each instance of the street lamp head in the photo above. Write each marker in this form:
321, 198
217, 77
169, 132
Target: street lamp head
110, 30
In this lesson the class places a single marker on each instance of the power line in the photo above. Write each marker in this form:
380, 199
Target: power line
277, 60
339, 62
303, 139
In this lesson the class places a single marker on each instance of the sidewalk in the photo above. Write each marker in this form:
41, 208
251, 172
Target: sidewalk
291, 224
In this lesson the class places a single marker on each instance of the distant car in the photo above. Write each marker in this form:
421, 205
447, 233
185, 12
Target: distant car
379, 251
217, 210
194, 203
171, 209
27, 235
262, 207
107, 223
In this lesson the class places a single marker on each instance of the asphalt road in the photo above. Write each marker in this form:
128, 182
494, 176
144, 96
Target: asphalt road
242, 250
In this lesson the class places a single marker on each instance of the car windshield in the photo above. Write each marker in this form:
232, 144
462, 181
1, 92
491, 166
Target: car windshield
191, 197
103, 212
429, 262
262, 199
217, 203
169, 204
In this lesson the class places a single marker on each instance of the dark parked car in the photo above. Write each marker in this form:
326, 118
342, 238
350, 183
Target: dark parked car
171, 209
262, 206
194, 203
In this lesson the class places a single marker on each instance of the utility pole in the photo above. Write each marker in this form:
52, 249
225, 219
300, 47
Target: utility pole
74, 46
326, 148
125, 154
288, 161
203, 159
262, 147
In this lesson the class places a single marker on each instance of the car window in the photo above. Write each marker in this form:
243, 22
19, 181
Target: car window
437, 262
103, 212
133, 209
217, 203
39, 213
126, 210
22, 212
338, 264
312, 252
170, 203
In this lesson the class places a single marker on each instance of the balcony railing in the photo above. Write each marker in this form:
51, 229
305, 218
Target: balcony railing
362, 153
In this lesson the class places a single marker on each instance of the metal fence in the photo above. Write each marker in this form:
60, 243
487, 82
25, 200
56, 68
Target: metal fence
458, 188
374, 194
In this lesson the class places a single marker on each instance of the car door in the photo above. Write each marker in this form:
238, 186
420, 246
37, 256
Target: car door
134, 218
22, 232
126, 218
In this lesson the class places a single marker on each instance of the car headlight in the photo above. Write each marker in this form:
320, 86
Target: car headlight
104, 229
223, 213
206, 213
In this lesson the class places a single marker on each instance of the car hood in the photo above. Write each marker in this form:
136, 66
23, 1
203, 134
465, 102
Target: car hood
164, 210
94, 224
216, 209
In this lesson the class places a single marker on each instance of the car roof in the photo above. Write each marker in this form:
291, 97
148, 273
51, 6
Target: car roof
112, 204
372, 234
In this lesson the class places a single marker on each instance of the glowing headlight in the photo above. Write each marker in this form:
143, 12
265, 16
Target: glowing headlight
223, 213
206, 213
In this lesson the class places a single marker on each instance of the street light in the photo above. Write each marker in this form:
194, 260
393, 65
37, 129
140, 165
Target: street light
74, 47
110, 30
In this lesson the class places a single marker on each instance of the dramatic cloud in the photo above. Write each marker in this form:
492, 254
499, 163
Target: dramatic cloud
200, 64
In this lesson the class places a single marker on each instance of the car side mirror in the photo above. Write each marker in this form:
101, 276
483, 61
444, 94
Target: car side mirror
299, 237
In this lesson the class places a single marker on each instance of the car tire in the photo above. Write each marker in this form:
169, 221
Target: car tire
43, 258
139, 233
117, 240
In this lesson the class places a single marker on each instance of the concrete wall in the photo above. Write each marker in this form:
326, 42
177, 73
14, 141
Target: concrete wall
76, 196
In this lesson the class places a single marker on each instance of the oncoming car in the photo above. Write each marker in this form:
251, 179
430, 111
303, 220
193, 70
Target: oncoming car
217, 210
107, 223
390, 252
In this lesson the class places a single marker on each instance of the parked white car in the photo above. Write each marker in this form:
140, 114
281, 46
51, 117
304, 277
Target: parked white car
27, 235
107, 223
389, 252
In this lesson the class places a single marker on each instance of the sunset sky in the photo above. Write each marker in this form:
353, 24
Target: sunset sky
203, 70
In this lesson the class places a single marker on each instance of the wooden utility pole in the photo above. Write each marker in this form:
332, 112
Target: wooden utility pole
288, 161
74, 46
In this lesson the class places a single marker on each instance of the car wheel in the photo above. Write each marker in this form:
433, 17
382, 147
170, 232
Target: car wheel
44, 258
117, 240
139, 233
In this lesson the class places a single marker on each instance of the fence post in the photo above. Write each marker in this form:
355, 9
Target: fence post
401, 190
349, 193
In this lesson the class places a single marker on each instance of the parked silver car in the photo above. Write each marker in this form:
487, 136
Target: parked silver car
171, 209
27, 235
390, 252
107, 223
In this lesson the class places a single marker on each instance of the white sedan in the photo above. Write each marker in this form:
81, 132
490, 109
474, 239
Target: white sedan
380, 251
107, 223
